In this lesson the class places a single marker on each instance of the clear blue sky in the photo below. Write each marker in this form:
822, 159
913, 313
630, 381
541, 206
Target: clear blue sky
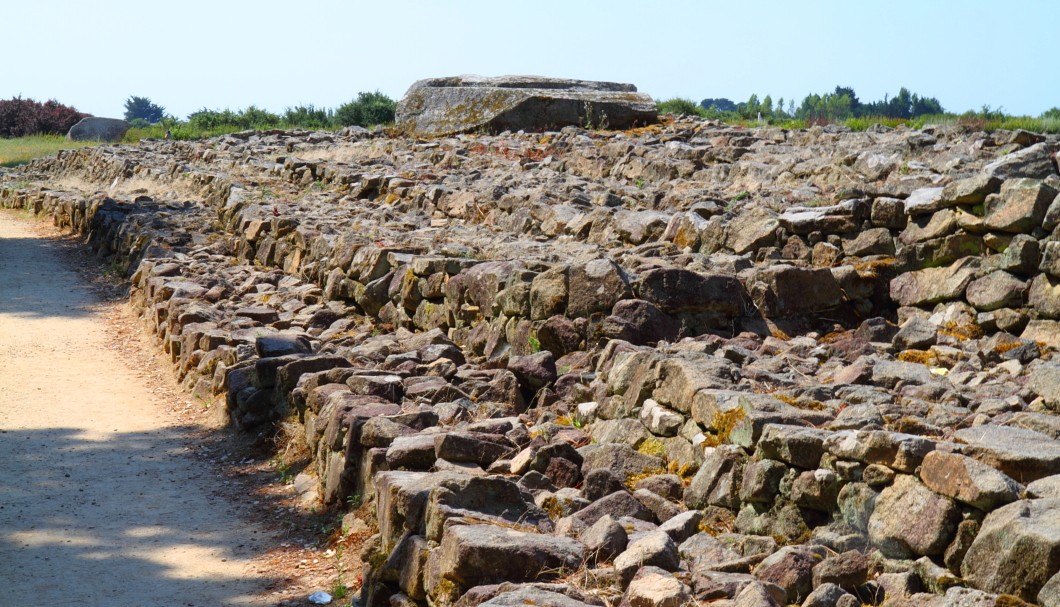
191, 54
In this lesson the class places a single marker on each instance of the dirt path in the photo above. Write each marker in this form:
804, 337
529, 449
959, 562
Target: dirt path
100, 500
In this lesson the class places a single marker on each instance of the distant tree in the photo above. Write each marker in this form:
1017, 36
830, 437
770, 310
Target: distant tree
367, 110
1053, 113
855, 103
721, 104
751, 107
780, 107
142, 107
767, 106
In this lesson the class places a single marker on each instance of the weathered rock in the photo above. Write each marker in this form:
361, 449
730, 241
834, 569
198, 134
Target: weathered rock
825, 595
640, 322
446, 106
676, 290
785, 291
596, 286
470, 555
911, 520
1024, 455
799, 446
1020, 207
655, 549
1017, 549
752, 230
655, 587
791, 568
932, 285
605, 539
531, 595
967, 480
916, 334
1034, 162
996, 290
98, 129
718, 481
848, 570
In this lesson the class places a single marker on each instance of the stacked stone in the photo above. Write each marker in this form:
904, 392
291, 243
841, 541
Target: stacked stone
688, 362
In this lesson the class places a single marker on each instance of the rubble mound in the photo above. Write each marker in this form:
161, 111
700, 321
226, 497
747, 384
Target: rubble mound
685, 362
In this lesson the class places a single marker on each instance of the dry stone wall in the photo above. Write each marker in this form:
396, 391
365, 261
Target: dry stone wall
684, 363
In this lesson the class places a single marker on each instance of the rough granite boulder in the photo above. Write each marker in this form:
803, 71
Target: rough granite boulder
461, 104
1017, 549
910, 520
98, 129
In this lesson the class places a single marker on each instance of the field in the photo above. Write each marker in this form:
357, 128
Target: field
23, 149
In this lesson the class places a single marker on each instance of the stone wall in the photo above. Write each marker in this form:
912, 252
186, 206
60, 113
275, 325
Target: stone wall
693, 360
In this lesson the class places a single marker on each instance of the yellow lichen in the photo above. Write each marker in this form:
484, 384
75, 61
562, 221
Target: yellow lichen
653, 447
923, 357
961, 331
723, 424
870, 269
809, 405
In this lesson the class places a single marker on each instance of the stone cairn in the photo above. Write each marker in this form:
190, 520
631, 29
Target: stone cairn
687, 363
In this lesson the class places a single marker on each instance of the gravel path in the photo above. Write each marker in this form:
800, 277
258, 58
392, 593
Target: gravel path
100, 502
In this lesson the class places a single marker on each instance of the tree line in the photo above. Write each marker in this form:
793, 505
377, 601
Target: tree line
25, 117
367, 109
840, 104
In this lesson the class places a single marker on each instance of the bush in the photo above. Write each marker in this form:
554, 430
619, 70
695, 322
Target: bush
23, 117
680, 107
307, 117
142, 108
368, 109
250, 118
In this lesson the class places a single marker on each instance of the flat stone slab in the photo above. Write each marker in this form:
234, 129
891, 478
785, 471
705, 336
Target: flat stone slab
1024, 455
461, 104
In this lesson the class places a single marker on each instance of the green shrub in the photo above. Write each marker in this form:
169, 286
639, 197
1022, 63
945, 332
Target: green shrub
680, 107
369, 109
308, 117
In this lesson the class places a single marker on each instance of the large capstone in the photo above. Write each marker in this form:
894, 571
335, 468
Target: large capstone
461, 104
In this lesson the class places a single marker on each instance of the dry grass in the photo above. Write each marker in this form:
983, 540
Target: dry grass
337, 153
128, 187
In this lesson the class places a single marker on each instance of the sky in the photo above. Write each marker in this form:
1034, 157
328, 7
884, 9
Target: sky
194, 54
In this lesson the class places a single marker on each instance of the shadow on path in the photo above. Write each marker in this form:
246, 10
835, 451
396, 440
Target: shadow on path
121, 513
23, 263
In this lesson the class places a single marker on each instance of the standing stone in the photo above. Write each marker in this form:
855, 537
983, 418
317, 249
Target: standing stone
98, 129
446, 106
